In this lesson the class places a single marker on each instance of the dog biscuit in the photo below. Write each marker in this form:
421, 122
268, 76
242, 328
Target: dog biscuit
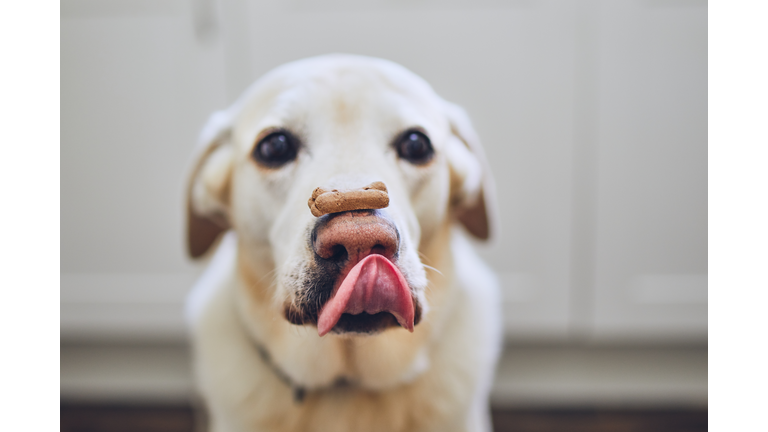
373, 196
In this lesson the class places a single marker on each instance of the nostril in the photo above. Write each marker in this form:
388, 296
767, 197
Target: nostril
338, 253
335, 252
378, 249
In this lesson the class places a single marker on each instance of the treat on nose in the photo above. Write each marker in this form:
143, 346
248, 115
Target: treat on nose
371, 197
364, 244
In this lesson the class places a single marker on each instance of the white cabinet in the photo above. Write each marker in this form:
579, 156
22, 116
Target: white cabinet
593, 115
136, 86
651, 237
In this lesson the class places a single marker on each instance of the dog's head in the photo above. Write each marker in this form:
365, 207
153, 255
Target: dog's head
349, 126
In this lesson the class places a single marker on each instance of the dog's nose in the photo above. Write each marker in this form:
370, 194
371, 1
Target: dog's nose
346, 238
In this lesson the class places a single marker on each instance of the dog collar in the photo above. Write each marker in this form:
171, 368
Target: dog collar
299, 392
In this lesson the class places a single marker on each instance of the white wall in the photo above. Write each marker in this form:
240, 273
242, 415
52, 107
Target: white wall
593, 114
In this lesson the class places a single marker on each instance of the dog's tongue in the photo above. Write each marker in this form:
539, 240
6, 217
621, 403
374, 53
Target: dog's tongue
373, 285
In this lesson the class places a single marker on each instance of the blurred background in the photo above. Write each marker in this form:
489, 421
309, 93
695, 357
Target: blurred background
594, 118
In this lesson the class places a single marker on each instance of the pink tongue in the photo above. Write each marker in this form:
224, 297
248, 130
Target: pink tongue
373, 285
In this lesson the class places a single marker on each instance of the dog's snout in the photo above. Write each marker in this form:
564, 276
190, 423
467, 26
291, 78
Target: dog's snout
353, 236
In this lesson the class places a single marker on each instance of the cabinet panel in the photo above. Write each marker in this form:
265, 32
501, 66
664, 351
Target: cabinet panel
652, 188
136, 86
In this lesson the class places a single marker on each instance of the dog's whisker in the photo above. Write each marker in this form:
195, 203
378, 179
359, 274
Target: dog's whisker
422, 255
433, 269
272, 273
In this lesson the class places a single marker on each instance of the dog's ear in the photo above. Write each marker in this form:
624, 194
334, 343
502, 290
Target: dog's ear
472, 189
208, 187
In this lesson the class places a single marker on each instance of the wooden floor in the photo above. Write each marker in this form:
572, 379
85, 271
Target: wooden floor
101, 418
600, 420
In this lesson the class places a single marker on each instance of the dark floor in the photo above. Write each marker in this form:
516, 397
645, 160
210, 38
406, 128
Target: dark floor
113, 418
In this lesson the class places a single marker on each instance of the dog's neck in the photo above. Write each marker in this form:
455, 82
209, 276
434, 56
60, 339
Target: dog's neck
299, 391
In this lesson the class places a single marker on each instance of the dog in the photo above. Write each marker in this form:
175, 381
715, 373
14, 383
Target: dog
340, 193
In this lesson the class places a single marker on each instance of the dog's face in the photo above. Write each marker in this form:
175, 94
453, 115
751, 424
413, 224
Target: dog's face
338, 123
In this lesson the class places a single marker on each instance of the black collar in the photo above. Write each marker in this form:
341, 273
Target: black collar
299, 391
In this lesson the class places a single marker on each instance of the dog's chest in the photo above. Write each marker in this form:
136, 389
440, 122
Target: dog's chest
415, 407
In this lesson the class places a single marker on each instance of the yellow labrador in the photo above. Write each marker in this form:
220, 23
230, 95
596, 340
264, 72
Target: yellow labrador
345, 296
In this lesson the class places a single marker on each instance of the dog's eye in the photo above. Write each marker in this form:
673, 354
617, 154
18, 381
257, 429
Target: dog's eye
415, 147
276, 149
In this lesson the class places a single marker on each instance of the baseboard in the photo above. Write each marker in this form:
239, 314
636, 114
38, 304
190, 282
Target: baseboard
528, 376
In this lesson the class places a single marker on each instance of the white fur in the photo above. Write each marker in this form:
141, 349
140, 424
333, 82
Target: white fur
347, 110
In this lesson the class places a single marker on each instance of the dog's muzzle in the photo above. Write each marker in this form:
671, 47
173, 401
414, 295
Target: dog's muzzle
363, 245
355, 284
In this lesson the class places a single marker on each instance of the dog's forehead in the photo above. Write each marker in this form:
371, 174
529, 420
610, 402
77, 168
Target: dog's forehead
338, 91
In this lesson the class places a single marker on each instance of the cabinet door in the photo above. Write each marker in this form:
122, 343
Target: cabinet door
651, 218
137, 83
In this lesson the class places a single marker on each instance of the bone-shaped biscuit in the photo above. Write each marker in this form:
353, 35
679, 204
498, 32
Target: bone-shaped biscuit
373, 196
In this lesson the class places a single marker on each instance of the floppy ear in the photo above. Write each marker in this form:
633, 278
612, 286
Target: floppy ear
472, 189
208, 186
